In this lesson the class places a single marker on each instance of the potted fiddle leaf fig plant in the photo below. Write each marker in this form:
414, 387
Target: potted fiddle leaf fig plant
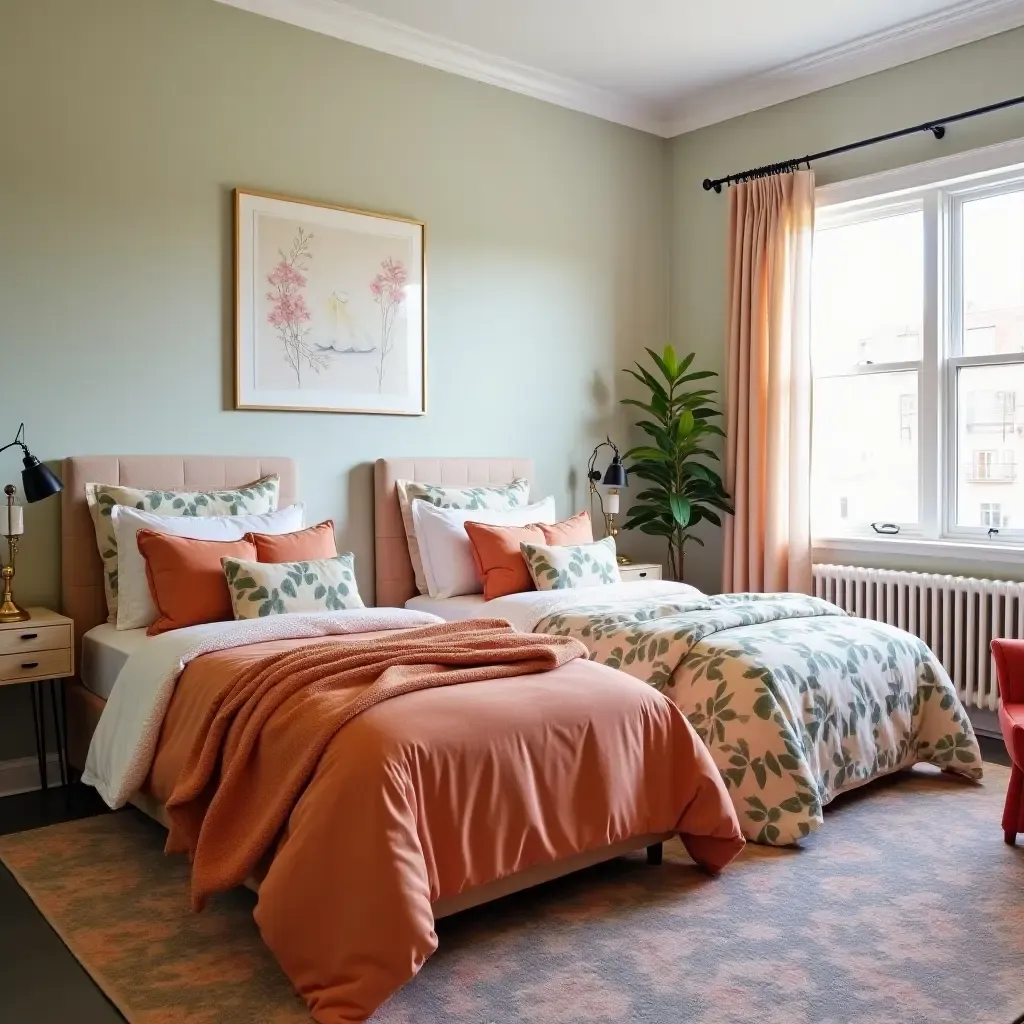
682, 491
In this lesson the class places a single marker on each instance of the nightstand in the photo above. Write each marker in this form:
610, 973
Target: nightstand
37, 651
639, 571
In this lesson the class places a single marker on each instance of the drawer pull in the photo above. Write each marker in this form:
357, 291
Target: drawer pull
30, 664
29, 636
642, 574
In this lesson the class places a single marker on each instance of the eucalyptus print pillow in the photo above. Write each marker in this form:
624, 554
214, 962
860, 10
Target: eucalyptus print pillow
499, 498
256, 499
276, 588
566, 567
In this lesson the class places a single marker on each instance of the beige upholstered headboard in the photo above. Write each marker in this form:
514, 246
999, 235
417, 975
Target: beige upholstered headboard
394, 575
81, 569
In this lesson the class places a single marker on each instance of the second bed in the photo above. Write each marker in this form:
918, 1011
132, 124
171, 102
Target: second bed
796, 701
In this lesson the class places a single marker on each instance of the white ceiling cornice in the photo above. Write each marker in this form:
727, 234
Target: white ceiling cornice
964, 23
334, 18
923, 37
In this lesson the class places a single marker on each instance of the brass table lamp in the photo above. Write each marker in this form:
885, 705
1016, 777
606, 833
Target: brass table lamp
38, 482
614, 478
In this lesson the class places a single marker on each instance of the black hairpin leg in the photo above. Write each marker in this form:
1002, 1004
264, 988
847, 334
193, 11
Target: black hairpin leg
60, 731
654, 854
39, 722
64, 719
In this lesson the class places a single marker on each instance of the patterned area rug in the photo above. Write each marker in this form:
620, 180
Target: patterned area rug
907, 907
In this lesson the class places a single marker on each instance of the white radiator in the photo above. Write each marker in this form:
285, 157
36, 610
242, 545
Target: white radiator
956, 616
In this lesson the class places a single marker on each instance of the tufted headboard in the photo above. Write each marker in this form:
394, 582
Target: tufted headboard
81, 568
394, 576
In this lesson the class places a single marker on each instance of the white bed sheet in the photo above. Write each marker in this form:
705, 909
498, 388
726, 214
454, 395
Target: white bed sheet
451, 609
105, 649
524, 611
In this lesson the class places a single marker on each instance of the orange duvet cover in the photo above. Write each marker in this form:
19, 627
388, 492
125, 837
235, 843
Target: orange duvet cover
434, 792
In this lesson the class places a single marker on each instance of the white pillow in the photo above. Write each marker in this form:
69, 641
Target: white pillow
445, 548
135, 606
496, 497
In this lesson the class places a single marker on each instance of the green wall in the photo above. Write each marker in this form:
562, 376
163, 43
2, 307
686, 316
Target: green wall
956, 80
125, 126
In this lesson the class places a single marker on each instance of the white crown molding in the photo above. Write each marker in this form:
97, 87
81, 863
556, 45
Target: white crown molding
334, 18
964, 23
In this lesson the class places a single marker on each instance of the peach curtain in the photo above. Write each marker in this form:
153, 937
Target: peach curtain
768, 366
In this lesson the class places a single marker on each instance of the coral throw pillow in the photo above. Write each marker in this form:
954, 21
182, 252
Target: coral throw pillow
301, 546
499, 558
575, 530
186, 578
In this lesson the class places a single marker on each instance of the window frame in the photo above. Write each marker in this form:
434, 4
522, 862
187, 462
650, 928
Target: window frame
940, 188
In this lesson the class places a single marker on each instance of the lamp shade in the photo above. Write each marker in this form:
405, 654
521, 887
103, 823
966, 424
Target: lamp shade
38, 481
615, 474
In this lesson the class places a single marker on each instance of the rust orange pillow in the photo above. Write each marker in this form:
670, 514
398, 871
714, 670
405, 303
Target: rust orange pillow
498, 559
186, 579
574, 530
310, 545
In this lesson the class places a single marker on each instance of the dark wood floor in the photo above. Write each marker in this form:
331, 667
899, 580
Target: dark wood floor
40, 981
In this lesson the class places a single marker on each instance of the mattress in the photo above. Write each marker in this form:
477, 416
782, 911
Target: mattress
473, 606
105, 649
451, 609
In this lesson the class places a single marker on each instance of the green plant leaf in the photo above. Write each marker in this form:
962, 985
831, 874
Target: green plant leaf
680, 509
650, 454
684, 425
654, 529
649, 381
647, 407
668, 372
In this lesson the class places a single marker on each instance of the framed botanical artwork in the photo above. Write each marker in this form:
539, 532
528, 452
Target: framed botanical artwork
330, 308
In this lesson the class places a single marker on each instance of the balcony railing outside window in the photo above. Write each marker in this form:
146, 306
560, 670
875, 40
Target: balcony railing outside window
991, 471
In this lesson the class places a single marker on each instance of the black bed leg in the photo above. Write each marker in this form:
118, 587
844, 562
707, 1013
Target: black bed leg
654, 854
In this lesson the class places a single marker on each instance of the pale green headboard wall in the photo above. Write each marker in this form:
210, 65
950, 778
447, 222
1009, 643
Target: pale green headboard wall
127, 123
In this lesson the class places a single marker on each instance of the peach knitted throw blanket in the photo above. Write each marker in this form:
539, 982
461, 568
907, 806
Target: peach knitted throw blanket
266, 730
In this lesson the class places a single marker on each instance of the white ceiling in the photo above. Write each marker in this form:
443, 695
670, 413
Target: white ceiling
666, 66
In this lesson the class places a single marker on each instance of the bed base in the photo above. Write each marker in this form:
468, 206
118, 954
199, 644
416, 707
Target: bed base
84, 709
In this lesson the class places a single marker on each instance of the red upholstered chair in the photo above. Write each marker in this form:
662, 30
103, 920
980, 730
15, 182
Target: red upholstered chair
1009, 655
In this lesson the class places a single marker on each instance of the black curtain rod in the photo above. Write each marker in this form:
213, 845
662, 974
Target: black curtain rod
936, 127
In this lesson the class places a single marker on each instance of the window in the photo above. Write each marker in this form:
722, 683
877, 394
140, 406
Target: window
917, 339
992, 514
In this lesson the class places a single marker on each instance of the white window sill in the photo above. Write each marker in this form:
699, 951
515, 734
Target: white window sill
915, 547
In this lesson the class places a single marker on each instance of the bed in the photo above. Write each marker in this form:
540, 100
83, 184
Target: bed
796, 701
461, 794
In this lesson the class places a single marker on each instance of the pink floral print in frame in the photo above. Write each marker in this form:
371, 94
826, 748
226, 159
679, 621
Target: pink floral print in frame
329, 308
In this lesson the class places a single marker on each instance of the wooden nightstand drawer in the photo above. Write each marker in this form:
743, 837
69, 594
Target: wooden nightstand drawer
631, 573
16, 668
27, 637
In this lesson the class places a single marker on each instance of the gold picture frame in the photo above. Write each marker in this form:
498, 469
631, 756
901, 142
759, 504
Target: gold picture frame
330, 308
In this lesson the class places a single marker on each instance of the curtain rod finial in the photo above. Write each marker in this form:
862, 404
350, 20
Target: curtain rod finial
708, 184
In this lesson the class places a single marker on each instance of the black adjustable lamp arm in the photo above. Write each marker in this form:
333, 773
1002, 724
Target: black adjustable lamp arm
19, 439
592, 473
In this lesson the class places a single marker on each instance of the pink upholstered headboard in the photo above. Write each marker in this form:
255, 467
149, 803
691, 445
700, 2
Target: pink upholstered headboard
81, 568
394, 575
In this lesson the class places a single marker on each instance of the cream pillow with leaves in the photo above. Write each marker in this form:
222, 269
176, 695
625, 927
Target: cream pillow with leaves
253, 499
571, 566
276, 588
493, 498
